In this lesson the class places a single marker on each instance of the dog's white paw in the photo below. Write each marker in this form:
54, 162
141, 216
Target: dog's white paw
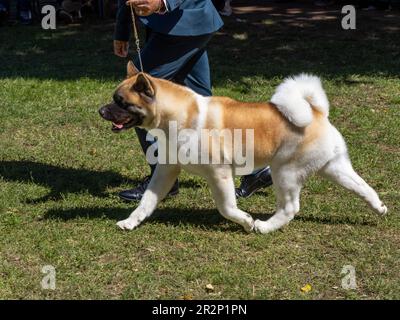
126, 224
248, 228
248, 225
383, 210
262, 226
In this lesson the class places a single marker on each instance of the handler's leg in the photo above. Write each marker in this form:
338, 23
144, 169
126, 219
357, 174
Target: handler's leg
199, 79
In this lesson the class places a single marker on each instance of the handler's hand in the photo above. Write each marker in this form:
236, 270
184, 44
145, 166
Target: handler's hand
121, 48
146, 7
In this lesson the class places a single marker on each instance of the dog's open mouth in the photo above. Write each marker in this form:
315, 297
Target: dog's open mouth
121, 119
116, 127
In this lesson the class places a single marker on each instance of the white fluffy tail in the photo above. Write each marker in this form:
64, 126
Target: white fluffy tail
296, 97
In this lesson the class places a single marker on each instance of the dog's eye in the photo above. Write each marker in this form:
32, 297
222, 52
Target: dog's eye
118, 99
133, 107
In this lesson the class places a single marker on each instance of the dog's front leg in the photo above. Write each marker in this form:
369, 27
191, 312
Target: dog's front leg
160, 184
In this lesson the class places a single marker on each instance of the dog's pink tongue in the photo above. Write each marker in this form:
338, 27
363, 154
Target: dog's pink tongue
118, 126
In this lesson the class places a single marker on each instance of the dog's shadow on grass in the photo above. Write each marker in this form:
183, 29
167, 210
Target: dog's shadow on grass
202, 218
61, 180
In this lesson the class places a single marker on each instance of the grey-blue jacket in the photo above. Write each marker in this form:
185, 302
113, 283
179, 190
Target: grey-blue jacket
184, 18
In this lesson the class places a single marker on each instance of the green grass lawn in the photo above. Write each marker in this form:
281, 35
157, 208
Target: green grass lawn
61, 168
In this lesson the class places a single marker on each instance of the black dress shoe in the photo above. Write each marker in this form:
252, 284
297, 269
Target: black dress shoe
137, 193
253, 182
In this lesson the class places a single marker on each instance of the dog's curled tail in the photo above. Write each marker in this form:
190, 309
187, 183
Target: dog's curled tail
296, 96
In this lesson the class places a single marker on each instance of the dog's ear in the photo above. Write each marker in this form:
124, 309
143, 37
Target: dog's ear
131, 70
144, 87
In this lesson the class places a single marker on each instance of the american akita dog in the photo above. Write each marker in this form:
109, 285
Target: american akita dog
292, 134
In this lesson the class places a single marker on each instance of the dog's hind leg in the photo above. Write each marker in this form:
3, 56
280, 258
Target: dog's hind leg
287, 186
340, 170
160, 184
222, 187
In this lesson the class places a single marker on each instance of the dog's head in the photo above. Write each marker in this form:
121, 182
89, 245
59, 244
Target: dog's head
134, 102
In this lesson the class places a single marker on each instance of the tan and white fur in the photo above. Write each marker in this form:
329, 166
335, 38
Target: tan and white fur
292, 134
